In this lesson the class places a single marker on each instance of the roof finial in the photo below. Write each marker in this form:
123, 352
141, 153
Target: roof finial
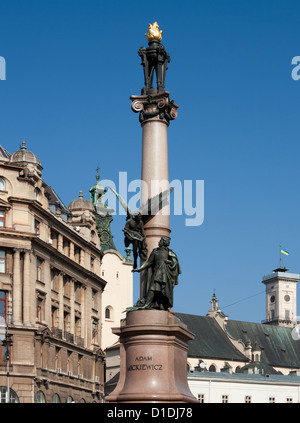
97, 174
80, 194
23, 146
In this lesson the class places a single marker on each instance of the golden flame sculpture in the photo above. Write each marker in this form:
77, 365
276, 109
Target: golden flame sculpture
153, 32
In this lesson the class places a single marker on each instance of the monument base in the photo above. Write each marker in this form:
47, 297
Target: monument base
153, 354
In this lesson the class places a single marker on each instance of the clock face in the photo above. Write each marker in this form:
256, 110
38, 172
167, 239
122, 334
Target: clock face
272, 299
287, 298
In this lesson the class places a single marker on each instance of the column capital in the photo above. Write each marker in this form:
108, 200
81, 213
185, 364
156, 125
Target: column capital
156, 107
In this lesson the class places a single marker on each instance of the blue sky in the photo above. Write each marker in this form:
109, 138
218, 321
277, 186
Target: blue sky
72, 66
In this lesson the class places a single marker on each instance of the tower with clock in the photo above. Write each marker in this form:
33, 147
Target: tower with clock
281, 297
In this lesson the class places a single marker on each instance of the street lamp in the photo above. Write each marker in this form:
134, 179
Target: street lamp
7, 342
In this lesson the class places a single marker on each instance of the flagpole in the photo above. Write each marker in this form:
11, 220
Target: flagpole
280, 257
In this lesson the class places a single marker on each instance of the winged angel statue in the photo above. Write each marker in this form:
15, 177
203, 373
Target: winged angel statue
134, 228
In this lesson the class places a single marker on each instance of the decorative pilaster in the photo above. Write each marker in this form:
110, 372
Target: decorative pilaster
17, 288
27, 292
61, 300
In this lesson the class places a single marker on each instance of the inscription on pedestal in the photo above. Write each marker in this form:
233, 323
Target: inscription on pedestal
144, 366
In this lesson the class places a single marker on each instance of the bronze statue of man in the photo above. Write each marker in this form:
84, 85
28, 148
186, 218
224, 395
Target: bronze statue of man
162, 275
135, 235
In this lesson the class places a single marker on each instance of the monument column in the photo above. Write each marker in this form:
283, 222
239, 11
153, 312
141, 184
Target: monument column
153, 341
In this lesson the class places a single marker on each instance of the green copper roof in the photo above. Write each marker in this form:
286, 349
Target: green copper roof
210, 340
278, 348
276, 343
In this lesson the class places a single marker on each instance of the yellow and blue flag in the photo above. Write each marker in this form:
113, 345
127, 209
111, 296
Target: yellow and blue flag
284, 252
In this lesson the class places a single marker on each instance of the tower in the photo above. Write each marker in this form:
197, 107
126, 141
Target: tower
281, 297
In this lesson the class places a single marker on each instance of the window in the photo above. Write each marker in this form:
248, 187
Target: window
225, 399
55, 398
212, 368
66, 322
57, 357
92, 262
94, 299
66, 286
54, 317
66, 246
290, 400
201, 398
2, 307
2, 185
54, 279
13, 396
36, 227
36, 194
77, 292
40, 397
80, 364
69, 363
248, 399
2, 219
272, 400
77, 327
39, 269
287, 314
95, 332
2, 261
40, 301
107, 313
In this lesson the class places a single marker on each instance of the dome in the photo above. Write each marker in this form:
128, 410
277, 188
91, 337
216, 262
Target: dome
23, 155
80, 203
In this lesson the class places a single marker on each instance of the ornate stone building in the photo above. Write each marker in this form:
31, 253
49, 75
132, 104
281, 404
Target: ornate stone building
50, 289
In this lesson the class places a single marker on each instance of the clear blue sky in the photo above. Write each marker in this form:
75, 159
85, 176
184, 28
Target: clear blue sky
71, 68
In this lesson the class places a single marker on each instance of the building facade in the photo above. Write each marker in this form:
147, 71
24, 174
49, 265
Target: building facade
50, 289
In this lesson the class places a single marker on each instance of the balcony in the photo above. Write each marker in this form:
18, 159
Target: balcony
57, 333
69, 337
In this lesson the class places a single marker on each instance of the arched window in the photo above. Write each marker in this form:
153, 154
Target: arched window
2, 184
109, 313
55, 398
212, 368
13, 396
69, 399
40, 397
36, 193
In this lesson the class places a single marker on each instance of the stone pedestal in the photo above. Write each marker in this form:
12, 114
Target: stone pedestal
153, 352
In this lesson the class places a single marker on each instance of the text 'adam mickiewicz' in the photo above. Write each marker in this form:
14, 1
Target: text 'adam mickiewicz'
144, 367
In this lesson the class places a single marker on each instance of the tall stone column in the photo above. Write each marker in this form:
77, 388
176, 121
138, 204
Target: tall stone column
17, 289
156, 111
